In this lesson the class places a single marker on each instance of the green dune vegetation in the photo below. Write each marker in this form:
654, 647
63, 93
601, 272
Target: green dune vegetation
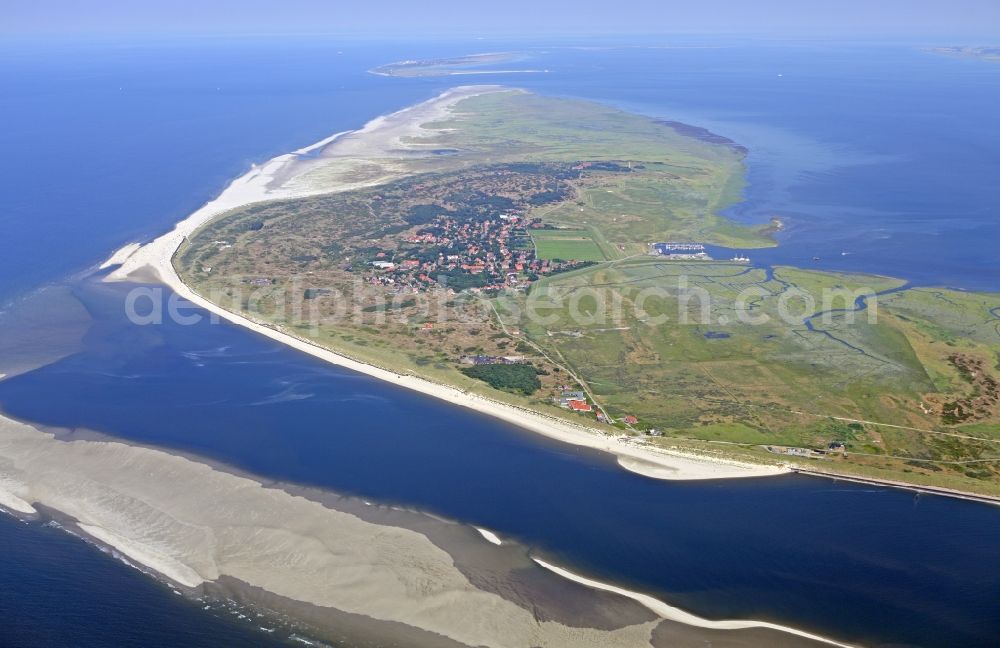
508, 253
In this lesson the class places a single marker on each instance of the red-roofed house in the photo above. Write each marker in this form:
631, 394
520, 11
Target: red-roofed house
579, 406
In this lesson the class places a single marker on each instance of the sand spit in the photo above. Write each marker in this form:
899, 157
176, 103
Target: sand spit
672, 613
490, 537
120, 255
11, 502
150, 506
889, 483
294, 175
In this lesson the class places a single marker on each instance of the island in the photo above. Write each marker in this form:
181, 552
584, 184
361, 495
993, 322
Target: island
981, 53
455, 66
544, 258
555, 263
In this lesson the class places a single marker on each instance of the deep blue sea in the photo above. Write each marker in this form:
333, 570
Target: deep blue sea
883, 152
56, 590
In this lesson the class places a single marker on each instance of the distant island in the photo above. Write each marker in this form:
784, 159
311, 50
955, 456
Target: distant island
982, 53
455, 66
508, 210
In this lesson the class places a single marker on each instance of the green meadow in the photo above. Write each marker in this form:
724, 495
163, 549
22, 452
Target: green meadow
712, 356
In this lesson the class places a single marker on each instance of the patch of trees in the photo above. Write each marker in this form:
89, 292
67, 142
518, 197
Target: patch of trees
609, 166
517, 378
533, 168
460, 280
556, 171
424, 255
525, 348
389, 305
571, 266
473, 206
422, 214
313, 293
478, 206
551, 196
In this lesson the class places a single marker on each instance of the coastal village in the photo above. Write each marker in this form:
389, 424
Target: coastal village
469, 231
490, 254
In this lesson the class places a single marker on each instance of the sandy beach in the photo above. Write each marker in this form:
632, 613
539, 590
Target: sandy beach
290, 176
326, 559
150, 507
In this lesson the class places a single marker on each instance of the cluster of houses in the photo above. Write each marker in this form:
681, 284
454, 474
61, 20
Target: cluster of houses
577, 401
495, 252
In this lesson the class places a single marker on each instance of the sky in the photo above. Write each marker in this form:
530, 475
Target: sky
465, 18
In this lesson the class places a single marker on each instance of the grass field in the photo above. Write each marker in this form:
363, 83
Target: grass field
663, 341
571, 245
659, 205
705, 376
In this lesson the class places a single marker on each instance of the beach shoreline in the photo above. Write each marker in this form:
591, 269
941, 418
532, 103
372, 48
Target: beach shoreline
156, 258
324, 559
678, 615
919, 489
